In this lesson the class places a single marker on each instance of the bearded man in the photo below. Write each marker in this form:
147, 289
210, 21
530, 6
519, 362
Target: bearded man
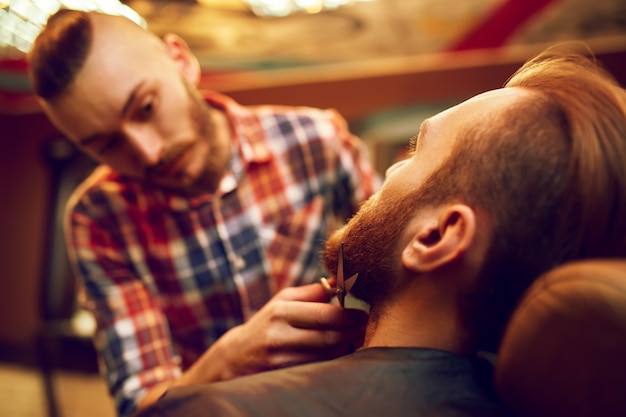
497, 190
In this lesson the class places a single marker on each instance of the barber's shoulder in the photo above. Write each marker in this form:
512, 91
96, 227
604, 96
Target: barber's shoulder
95, 180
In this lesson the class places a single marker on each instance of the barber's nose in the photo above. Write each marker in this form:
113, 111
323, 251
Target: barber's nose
145, 144
395, 167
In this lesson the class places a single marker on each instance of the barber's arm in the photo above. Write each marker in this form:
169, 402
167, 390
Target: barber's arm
296, 326
132, 338
134, 342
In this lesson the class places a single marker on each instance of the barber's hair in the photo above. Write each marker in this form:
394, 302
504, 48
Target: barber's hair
551, 174
59, 52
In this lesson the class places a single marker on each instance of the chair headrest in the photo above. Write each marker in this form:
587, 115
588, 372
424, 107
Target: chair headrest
564, 350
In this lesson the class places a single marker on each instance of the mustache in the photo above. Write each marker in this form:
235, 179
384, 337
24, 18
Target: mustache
166, 161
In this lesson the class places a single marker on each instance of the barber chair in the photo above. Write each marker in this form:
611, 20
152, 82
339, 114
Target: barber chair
564, 351
64, 338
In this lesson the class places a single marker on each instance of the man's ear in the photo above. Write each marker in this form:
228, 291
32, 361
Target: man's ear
442, 237
186, 61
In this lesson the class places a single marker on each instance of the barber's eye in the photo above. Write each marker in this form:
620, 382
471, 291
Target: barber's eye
109, 143
146, 110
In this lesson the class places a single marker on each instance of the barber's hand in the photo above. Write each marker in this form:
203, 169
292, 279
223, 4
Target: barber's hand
296, 326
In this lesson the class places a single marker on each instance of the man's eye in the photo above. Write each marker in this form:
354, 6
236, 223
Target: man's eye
145, 111
110, 142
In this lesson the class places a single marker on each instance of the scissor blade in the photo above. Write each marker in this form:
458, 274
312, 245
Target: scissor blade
340, 280
349, 283
341, 293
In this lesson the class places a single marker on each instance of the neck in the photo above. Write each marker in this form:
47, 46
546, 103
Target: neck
418, 319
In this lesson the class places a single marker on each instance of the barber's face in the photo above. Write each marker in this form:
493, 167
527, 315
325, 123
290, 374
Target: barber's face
132, 108
375, 236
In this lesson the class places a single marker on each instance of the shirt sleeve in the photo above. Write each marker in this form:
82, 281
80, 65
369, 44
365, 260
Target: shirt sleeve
132, 337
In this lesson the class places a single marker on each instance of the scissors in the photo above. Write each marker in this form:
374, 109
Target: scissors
343, 285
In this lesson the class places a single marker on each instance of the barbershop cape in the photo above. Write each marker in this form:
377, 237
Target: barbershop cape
371, 382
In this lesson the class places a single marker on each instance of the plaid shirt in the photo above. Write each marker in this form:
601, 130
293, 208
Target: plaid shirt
166, 275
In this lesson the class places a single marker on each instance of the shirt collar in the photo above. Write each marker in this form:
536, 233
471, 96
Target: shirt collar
246, 129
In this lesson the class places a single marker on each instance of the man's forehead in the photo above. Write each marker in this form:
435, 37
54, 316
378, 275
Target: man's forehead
120, 56
113, 23
113, 69
120, 36
505, 93
485, 104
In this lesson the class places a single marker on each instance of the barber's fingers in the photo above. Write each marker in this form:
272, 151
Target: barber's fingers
319, 315
285, 333
302, 340
310, 292
298, 357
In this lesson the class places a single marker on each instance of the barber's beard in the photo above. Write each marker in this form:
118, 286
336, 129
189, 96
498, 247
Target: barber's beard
218, 155
219, 152
371, 247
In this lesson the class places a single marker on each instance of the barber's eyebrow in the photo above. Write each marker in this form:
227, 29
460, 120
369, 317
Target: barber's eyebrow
127, 105
131, 98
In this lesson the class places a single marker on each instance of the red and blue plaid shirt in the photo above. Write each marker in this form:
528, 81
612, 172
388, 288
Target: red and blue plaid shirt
166, 276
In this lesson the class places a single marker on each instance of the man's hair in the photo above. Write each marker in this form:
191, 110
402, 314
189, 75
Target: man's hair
551, 175
59, 52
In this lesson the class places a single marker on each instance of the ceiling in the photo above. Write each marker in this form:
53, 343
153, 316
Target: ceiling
225, 34
232, 43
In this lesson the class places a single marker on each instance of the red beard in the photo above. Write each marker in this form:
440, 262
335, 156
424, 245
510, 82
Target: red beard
370, 246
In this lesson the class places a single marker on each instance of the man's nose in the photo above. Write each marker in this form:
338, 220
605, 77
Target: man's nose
145, 144
395, 167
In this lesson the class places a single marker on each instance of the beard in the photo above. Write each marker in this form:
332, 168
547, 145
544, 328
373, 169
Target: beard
371, 240
217, 158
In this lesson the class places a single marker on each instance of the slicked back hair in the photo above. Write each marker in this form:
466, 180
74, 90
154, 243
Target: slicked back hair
59, 52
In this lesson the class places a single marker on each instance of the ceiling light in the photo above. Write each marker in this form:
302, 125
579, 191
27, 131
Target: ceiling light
22, 20
280, 8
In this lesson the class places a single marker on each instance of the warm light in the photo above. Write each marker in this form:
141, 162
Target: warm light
310, 6
84, 323
279, 8
22, 20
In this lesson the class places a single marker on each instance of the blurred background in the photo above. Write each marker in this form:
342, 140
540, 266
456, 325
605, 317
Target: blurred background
384, 64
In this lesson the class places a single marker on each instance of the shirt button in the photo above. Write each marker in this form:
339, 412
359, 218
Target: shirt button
228, 184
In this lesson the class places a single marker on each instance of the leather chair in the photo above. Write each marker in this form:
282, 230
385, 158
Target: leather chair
564, 350
61, 341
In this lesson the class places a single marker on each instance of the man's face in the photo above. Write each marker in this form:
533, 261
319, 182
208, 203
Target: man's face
131, 108
375, 236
